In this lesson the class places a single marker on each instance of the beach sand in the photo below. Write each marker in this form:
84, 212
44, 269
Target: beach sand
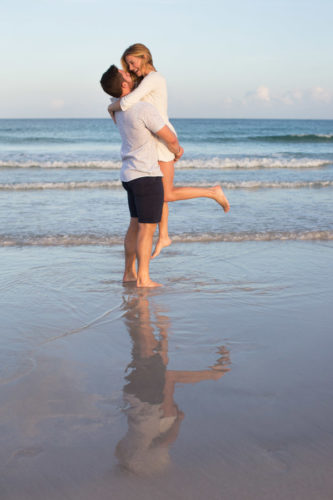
242, 333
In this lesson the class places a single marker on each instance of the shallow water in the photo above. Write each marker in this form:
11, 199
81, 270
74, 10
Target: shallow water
216, 385
59, 181
244, 335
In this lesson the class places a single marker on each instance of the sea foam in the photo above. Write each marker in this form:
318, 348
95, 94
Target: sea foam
72, 240
73, 185
190, 163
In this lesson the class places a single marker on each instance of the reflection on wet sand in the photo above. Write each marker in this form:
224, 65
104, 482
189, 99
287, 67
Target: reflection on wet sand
154, 418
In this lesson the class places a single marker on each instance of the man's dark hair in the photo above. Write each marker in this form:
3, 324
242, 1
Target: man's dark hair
111, 81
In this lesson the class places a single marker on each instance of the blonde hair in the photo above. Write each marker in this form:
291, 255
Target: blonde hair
138, 50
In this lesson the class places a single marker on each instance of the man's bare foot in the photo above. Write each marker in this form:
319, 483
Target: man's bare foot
221, 198
129, 277
148, 283
162, 242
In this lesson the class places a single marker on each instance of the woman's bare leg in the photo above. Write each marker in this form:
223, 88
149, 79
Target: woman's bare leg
172, 193
163, 235
164, 240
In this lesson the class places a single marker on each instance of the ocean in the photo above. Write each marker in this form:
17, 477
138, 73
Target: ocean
217, 384
59, 181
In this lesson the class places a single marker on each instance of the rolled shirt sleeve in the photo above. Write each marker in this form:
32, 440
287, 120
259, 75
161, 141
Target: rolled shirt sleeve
152, 119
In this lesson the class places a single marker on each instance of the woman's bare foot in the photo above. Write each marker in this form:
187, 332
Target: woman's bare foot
162, 242
221, 198
147, 283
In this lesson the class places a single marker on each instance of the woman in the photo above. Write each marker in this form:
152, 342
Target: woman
151, 87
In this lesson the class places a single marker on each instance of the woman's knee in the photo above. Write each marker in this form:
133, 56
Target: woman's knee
169, 195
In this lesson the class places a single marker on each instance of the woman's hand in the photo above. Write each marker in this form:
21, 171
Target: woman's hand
179, 154
113, 107
112, 114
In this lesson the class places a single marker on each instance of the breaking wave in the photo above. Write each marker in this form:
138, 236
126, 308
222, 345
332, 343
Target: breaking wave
72, 240
39, 186
249, 185
94, 164
194, 163
295, 138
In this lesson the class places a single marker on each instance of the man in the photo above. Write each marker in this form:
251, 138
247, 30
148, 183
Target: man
140, 173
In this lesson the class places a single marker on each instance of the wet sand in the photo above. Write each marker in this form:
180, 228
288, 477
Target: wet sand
217, 385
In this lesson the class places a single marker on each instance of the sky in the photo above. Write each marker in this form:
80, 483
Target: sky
221, 58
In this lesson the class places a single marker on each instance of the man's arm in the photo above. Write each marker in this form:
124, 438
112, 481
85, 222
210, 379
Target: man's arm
171, 141
156, 124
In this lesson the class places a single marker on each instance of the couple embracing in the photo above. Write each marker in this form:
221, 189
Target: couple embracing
149, 151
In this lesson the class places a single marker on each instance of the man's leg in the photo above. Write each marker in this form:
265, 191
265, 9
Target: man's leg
130, 244
143, 252
147, 194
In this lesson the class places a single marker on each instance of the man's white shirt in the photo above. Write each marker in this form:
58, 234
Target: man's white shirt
138, 150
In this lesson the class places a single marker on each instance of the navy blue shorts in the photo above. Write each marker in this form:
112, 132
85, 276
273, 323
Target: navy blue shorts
145, 199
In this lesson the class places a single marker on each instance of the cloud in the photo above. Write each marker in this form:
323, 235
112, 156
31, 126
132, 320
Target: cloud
295, 97
314, 94
321, 95
261, 94
291, 97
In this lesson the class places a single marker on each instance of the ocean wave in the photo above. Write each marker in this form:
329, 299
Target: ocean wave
39, 186
194, 163
255, 236
249, 163
44, 140
37, 139
186, 139
277, 185
292, 138
72, 240
93, 164
253, 185
248, 185
295, 138
56, 240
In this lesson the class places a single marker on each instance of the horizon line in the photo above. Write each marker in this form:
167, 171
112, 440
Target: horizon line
171, 118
